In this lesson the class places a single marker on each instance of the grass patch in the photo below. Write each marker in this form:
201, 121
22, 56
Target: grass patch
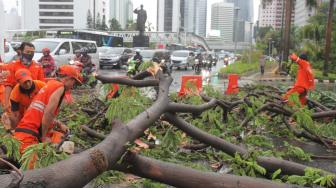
319, 75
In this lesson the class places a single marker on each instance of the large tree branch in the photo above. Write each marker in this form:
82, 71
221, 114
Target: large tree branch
203, 136
92, 162
179, 176
271, 164
318, 115
127, 81
175, 107
142, 75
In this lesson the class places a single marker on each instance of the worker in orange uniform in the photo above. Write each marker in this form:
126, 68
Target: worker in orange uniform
304, 78
38, 123
22, 95
48, 63
25, 62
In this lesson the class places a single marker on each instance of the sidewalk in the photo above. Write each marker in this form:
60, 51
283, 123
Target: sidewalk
269, 75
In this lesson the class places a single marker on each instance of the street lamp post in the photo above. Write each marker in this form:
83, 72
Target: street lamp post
269, 46
251, 33
235, 28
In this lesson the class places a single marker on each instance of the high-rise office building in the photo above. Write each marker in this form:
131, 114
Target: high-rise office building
201, 17
245, 12
55, 14
169, 15
193, 16
121, 10
270, 14
219, 11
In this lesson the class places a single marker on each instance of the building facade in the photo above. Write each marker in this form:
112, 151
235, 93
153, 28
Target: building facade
271, 14
169, 15
201, 17
12, 20
222, 19
121, 10
58, 14
302, 13
245, 9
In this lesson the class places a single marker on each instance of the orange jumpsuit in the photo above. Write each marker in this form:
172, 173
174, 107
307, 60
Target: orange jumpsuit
35, 69
20, 99
304, 81
28, 131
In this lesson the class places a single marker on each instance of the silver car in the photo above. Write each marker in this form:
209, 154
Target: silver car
182, 58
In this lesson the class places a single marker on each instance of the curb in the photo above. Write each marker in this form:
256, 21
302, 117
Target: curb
290, 80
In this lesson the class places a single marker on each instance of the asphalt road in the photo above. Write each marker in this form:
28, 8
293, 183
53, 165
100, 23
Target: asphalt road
176, 74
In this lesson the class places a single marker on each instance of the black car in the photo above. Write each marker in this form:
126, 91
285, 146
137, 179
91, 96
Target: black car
114, 57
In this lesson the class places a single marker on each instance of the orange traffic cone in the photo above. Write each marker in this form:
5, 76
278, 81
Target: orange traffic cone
233, 84
190, 85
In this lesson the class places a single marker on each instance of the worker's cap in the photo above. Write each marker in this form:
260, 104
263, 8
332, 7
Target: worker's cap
23, 75
71, 71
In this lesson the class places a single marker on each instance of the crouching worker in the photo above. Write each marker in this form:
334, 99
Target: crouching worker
304, 79
38, 123
22, 95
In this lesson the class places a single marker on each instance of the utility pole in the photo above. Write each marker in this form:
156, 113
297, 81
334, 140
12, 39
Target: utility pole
328, 38
281, 36
251, 33
235, 28
288, 22
94, 14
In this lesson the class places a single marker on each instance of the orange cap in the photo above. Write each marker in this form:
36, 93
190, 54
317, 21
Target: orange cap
23, 75
70, 71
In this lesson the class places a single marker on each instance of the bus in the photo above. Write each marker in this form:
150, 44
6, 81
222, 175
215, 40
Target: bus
101, 38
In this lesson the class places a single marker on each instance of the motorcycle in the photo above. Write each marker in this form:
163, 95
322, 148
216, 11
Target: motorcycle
132, 68
166, 67
207, 64
226, 61
197, 66
88, 76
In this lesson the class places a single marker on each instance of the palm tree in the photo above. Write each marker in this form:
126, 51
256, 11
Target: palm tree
328, 38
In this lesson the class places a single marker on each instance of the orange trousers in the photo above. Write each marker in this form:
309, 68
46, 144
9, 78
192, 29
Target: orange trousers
27, 140
301, 91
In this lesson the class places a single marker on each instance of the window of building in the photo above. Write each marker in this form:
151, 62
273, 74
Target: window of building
63, 14
57, 21
56, 6
56, 0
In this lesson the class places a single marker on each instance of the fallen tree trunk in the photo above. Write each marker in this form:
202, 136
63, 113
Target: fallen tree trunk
128, 82
80, 169
179, 176
271, 164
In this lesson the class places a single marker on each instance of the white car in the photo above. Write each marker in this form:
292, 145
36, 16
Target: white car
182, 58
10, 54
63, 50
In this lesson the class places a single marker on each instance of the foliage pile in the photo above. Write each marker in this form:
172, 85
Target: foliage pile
265, 134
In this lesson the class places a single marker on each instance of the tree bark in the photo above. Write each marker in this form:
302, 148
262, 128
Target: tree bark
271, 164
92, 132
288, 22
128, 82
328, 37
179, 176
174, 107
80, 169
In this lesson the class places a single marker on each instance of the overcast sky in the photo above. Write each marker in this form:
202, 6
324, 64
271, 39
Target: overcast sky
151, 8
